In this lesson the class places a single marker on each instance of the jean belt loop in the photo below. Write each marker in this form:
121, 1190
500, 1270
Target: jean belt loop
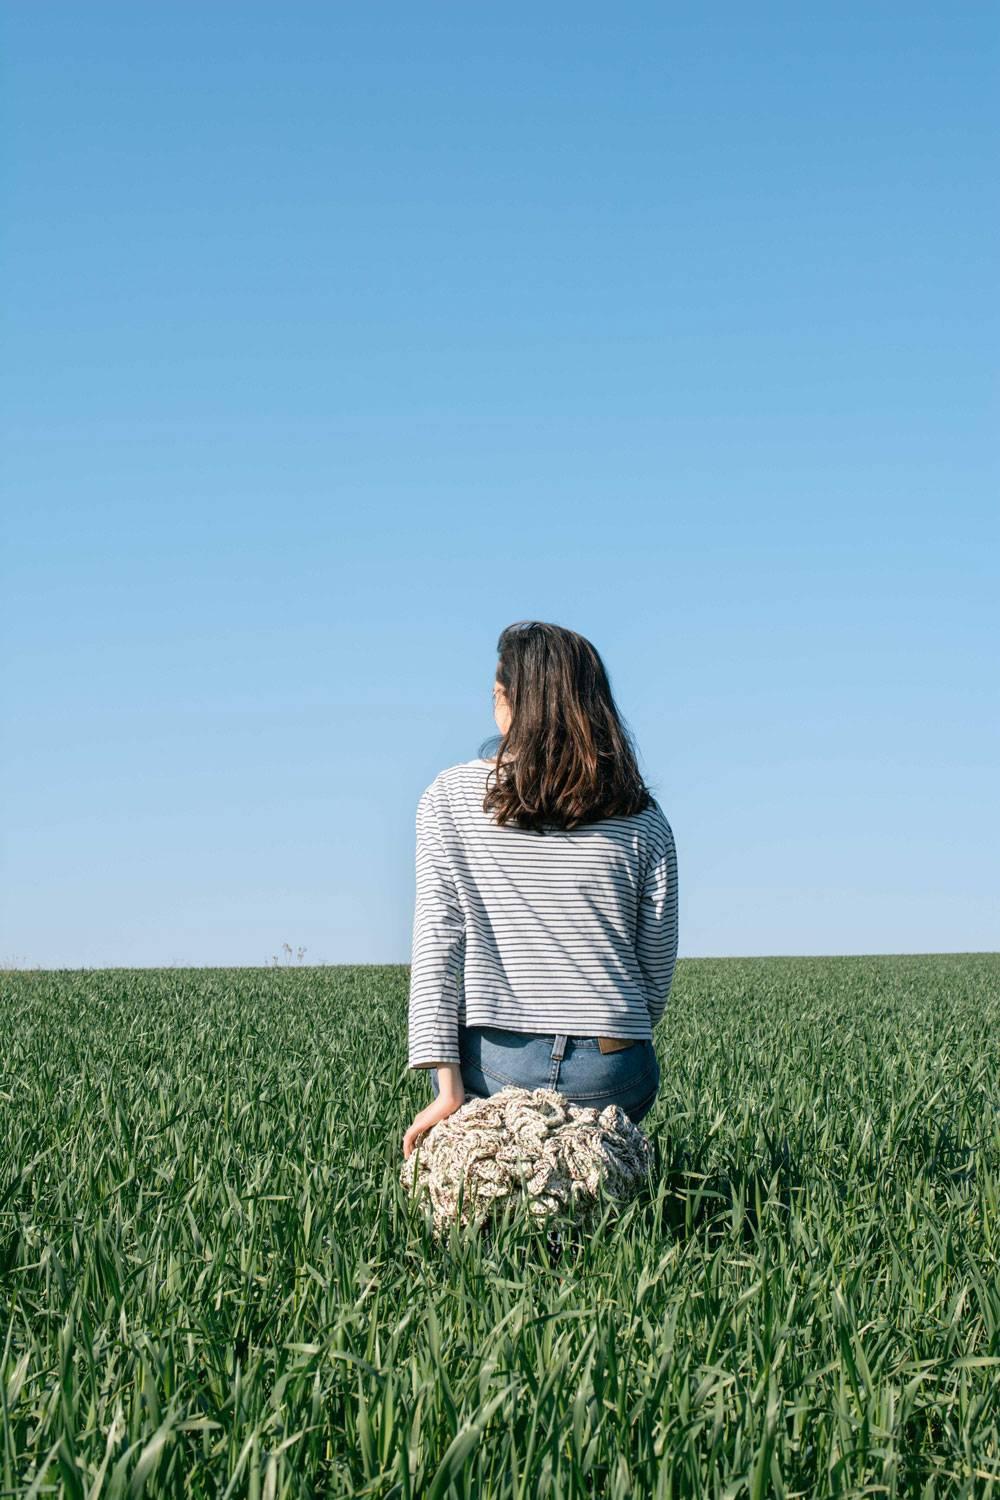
559, 1046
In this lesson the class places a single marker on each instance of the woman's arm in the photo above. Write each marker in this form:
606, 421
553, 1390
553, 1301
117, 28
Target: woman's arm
438, 956
436, 969
656, 932
450, 1096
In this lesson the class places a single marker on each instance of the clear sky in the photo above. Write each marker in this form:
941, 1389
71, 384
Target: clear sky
337, 337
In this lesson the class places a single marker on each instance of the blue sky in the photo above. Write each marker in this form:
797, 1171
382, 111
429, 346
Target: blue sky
339, 337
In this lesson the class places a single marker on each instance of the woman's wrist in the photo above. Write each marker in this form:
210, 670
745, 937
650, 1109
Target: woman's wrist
449, 1077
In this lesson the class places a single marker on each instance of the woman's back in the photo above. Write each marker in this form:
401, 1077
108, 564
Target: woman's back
561, 930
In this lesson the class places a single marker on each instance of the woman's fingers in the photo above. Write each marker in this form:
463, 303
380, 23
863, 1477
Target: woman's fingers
422, 1123
411, 1137
426, 1120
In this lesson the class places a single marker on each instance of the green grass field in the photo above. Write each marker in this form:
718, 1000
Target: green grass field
214, 1285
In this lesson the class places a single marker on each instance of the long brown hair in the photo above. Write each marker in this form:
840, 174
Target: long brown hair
568, 757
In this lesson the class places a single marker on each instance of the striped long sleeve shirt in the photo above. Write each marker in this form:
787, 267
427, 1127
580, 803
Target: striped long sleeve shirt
566, 930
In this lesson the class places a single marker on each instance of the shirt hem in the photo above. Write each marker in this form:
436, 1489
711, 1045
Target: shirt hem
620, 1026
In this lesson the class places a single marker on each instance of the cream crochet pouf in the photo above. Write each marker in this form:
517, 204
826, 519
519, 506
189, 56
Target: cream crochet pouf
530, 1145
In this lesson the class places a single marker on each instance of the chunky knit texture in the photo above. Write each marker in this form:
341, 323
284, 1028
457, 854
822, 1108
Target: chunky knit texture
527, 1145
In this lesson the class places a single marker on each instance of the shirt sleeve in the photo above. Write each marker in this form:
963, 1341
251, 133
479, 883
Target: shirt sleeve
438, 958
656, 930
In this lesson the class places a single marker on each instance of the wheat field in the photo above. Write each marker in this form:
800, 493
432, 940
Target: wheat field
214, 1285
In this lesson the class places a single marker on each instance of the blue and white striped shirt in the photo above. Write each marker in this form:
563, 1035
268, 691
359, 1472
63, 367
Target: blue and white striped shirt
566, 930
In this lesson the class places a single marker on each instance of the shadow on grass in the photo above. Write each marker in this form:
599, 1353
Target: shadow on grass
685, 1196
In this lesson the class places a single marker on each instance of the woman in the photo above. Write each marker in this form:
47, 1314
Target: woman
545, 926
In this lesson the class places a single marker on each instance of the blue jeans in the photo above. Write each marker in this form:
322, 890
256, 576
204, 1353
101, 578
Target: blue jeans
492, 1058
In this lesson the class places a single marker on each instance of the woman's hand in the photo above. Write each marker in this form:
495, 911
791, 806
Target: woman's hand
450, 1096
